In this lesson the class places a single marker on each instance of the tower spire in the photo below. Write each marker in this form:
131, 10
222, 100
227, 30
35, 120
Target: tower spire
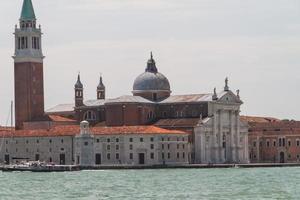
101, 89
151, 66
226, 88
27, 11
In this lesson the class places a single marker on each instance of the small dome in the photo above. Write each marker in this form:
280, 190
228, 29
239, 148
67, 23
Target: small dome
151, 81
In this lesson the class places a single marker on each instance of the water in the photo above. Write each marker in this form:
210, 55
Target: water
194, 184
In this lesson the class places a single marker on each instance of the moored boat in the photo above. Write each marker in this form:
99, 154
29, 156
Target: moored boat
39, 167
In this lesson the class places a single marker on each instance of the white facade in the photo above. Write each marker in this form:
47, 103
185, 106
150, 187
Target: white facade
133, 149
222, 137
92, 149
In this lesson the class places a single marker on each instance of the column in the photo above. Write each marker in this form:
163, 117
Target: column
232, 137
221, 158
213, 140
237, 144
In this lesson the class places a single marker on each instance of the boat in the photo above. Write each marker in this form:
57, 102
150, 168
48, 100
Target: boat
36, 166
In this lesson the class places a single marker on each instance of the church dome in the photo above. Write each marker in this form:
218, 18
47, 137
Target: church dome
151, 84
151, 81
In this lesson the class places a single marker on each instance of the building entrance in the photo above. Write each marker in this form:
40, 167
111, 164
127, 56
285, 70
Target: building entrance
281, 157
62, 159
98, 159
6, 159
141, 158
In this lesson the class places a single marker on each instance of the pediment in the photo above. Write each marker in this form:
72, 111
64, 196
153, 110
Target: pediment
229, 97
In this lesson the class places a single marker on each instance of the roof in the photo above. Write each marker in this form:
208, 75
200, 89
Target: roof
128, 99
78, 83
57, 118
27, 11
94, 102
129, 130
254, 119
151, 81
72, 130
185, 122
187, 98
101, 85
61, 108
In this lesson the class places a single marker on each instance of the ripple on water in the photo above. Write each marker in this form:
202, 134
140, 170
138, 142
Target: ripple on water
193, 184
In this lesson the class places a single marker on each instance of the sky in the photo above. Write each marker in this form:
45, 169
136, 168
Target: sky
196, 45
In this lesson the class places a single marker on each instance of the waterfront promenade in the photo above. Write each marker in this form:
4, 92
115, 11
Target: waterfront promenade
188, 166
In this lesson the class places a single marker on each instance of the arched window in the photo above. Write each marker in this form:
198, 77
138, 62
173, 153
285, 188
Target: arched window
89, 116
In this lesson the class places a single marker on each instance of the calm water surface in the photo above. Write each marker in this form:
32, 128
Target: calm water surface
256, 183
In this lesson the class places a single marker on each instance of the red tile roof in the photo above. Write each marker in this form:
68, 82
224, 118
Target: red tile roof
74, 130
183, 122
254, 119
57, 118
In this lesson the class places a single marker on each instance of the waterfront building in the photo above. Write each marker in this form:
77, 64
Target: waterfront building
125, 145
192, 128
274, 141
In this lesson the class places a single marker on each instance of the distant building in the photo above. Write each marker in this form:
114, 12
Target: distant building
193, 128
274, 141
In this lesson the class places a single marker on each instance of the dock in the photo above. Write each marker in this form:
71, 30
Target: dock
69, 168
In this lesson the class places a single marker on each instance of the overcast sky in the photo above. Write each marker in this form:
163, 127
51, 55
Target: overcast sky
196, 44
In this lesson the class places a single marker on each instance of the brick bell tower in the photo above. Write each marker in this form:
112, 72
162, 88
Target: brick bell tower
28, 68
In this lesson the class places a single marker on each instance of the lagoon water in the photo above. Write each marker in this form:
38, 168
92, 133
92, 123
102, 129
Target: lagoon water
194, 184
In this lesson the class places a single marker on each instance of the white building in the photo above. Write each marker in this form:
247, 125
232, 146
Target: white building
127, 145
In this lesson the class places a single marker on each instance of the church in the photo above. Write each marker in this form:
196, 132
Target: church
149, 127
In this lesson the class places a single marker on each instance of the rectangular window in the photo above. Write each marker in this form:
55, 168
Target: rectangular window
130, 139
33, 42
280, 142
177, 146
38, 43
298, 143
152, 146
274, 143
183, 146
131, 156
108, 140
117, 147
117, 156
152, 155
108, 147
141, 139
117, 140
268, 143
19, 43
169, 155
152, 139
26, 42
98, 140
162, 155
22, 43
130, 147
108, 156
162, 146
289, 143
183, 155
168, 146
177, 155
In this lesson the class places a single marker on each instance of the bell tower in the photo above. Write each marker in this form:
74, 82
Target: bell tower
78, 87
28, 68
101, 89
